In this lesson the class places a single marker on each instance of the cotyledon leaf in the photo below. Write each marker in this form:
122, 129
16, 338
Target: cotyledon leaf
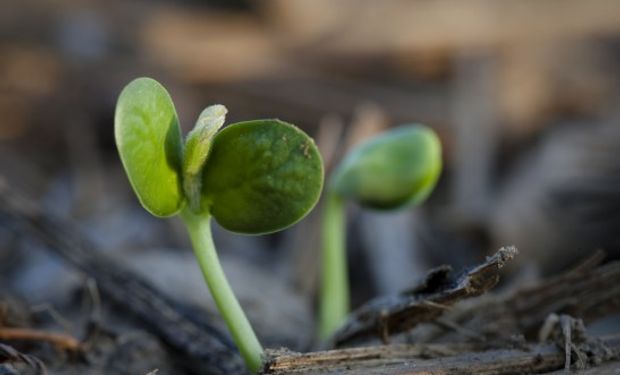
149, 142
394, 169
261, 176
197, 146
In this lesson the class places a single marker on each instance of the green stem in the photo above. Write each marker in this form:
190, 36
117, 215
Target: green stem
199, 228
335, 284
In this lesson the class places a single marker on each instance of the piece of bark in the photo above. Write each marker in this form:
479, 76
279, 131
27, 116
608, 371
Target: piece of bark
11, 355
429, 359
199, 345
394, 314
586, 292
610, 368
282, 360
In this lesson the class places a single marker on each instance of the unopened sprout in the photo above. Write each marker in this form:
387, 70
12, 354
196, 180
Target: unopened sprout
396, 169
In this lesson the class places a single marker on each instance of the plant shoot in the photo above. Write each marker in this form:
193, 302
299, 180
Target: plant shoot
252, 177
396, 169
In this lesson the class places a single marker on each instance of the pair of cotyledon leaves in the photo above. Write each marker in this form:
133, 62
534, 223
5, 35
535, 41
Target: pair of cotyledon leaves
253, 177
258, 176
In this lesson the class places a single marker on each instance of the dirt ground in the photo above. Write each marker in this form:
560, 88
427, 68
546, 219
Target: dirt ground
523, 94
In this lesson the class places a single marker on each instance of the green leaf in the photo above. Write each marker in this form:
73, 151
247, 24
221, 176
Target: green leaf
261, 176
148, 138
397, 168
197, 148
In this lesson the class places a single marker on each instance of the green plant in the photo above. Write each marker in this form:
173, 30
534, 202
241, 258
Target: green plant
398, 168
253, 177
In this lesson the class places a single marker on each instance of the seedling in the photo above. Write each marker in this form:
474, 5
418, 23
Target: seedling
253, 177
396, 169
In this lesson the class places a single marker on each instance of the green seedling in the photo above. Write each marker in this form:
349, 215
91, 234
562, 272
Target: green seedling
253, 177
396, 169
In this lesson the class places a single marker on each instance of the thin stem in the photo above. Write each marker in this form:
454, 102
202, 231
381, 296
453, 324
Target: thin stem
199, 228
335, 283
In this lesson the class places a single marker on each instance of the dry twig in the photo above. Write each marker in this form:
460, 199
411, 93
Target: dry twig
462, 359
61, 341
429, 300
9, 354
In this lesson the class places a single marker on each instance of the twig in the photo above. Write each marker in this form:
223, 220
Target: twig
9, 354
60, 340
284, 360
462, 359
95, 298
94, 317
390, 315
565, 323
54, 314
547, 328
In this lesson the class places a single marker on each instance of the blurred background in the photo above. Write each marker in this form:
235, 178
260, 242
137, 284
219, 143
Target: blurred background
524, 94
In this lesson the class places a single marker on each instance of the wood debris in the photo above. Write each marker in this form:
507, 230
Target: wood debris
427, 301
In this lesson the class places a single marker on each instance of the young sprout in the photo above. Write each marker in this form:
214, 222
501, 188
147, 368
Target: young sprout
396, 169
253, 177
